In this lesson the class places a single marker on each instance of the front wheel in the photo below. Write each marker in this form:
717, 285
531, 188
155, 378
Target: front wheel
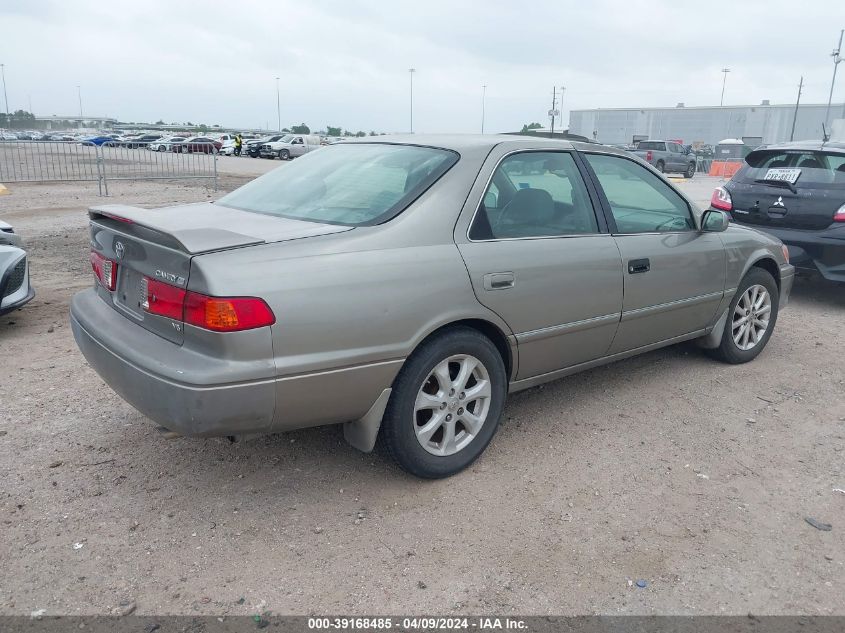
752, 315
284, 154
446, 404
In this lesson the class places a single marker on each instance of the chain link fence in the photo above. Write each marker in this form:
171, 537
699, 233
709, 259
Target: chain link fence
73, 161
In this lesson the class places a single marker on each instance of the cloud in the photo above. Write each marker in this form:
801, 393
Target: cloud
346, 63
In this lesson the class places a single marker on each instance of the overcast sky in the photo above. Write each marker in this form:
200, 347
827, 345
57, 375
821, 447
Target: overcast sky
345, 63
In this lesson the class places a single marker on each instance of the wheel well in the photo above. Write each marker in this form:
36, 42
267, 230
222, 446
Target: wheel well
771, 267
490, 331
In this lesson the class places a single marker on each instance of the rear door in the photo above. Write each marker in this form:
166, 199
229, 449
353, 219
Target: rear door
674, 274
807, 203
677, 157
540, 256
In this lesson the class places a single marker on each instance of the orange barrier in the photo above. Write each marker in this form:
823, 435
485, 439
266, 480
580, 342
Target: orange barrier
725, 168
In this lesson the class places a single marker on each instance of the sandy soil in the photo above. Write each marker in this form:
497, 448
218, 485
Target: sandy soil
672, 468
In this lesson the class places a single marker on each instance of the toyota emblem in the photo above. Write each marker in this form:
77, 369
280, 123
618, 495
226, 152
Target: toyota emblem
119, 250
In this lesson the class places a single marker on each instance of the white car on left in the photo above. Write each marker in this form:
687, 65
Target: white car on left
166, 143
15, 289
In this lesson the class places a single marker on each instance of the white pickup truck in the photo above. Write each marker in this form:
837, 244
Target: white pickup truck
290, 146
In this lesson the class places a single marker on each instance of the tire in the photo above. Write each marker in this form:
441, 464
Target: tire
729, 350
454, 349
284, 154
690, 172
659, 166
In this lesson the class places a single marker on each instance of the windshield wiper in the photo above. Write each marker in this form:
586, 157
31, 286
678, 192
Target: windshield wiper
778, 183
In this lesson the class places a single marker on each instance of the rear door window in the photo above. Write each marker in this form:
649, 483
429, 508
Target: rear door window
652, 145
535, 194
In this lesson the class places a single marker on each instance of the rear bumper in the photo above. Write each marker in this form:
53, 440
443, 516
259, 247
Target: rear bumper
141, 367
203, 395
822, 251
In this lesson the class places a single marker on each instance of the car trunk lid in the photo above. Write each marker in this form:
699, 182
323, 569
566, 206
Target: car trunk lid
159, 244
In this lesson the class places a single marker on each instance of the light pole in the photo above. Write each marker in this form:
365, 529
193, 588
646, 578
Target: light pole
79, 95
278, 107
836, 59
483, 97
5, 96
725, 72
411, 72
562, 90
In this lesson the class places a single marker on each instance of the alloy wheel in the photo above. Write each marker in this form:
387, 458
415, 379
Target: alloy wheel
452, 405
751, 317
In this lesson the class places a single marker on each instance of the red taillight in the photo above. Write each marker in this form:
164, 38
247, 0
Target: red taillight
227, 314
721, 199
105, 270
839, 216
164, 299
219, 314
648, 156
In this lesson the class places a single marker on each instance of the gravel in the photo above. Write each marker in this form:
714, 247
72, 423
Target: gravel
591, 482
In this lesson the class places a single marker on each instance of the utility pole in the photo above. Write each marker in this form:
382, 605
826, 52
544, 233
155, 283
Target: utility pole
79, 94
836, 59
725, 72
5, 96
552, 111
562, 90
278, 107
795, 115
411, 72
483, 97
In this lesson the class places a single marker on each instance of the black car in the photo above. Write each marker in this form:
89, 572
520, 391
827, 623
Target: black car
253, 146
796, 192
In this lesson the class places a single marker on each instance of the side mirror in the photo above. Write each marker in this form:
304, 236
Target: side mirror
714, 221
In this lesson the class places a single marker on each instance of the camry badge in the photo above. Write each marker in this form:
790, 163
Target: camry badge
779, 202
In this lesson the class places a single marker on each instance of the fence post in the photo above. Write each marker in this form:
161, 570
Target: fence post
101, 172
215, 169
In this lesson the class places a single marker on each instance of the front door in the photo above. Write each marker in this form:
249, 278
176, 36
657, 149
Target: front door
538, 257
674, 274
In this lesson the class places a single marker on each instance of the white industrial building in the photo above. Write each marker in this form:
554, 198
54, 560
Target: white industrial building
764, 123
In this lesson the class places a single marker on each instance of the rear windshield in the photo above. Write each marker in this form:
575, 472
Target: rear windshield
651, 145
817, 169
355, 184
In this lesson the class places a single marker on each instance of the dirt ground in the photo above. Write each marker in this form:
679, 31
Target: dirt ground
671, 468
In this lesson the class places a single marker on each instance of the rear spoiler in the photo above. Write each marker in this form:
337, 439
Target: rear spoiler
189, 239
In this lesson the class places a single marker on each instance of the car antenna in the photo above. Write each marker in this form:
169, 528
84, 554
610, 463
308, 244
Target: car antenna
825, 137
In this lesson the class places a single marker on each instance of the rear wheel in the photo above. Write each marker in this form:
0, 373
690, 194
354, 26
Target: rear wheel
752, 315
690, 172
659, 166
446, 404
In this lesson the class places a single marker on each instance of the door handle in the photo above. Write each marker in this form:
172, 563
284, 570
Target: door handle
636, 266
499, 281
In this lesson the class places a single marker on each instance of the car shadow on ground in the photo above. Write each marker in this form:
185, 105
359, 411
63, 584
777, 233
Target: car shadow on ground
814, 289
296, 463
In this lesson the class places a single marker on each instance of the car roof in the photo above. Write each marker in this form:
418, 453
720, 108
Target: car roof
831, 146
462, 143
